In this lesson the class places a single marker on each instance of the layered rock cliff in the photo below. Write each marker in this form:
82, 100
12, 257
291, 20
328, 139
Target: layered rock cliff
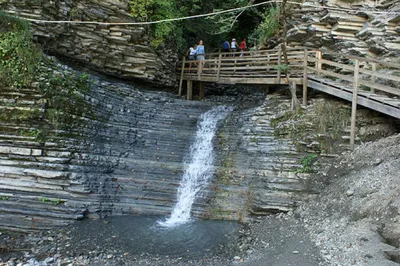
121, 51
363, 28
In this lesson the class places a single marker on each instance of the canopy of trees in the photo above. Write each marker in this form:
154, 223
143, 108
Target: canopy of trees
212, 30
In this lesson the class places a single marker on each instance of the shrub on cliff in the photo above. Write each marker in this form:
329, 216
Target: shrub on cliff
22, 65
19, 57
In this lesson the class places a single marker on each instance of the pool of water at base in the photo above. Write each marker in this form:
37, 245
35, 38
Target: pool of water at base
142, 235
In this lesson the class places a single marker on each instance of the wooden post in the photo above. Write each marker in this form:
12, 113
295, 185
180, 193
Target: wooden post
201, 93
354, 103
189, 95
318, 63
181, 80
279, 64
234, 66
200, 69
219, 66
305, 77
373, 77
294, 87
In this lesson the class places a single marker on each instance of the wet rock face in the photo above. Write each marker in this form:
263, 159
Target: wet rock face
122, 51
256, 170
126, 159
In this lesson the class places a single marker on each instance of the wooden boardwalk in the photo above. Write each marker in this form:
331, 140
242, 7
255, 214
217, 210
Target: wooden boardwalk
367, 82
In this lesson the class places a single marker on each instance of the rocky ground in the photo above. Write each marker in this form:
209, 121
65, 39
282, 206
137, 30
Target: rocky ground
354, 221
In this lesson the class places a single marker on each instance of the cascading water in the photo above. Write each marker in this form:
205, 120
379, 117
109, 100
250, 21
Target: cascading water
198, 169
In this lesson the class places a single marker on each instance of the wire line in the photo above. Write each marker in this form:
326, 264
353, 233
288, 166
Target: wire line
201, 15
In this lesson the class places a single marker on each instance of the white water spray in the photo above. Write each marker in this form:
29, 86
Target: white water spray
198, 169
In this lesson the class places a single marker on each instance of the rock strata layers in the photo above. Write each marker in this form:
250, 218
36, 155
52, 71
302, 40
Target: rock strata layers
118, 50
363, 28
126, 159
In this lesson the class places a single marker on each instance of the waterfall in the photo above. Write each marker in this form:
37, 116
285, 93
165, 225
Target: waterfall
198, 168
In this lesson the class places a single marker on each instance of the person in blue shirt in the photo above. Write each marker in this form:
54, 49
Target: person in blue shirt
226, 46
200, 51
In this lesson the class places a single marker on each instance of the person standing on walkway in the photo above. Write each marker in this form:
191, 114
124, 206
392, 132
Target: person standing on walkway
234, 46
243, 47
226, 46
201, 52
192, 55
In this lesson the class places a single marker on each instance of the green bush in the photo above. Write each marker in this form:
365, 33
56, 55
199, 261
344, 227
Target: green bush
21, 64
307, 164
268, 27
19, 57
152, 10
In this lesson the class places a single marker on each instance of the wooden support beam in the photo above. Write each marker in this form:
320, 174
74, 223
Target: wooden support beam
294, 87
373, 77
219, 66
189, 95
199, 69
318, 62
201, 92
305, 77
354, 103
181, 80
279, 64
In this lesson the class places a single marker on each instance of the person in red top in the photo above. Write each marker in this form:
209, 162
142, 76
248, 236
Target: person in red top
243, 46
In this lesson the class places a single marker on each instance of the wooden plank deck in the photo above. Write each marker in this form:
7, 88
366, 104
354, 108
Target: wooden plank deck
367, 82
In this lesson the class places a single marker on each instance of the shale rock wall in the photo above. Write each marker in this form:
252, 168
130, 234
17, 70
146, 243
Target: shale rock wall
127, 159
356, 30
122, 51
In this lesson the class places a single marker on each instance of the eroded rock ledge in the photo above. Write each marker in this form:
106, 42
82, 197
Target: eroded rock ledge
122, 51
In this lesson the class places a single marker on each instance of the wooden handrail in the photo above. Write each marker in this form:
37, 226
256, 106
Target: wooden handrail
264, 63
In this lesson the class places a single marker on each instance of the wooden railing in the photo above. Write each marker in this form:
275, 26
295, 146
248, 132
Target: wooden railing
362, 77
358, 78
252, 67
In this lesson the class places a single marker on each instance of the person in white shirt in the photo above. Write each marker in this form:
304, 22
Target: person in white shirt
192, 55
234, 46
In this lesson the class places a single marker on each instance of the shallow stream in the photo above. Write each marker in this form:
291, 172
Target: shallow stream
142, 236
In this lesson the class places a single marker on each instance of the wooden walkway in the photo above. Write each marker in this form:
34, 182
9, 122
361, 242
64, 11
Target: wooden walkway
368, 82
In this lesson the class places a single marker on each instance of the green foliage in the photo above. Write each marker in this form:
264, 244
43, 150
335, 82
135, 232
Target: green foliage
17, 115
3, 198
140, 9
213, 30
36, 133
50, 201
224, 23
282, 67
269, 26
152, 10
63, 91
44, 200
19, 57
307, 163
